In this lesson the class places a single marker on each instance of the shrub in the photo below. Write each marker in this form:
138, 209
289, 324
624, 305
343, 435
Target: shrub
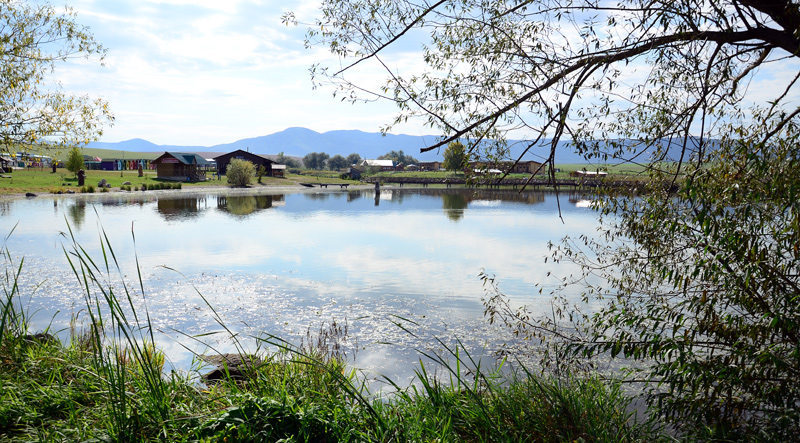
74, 160
90, 189
240, 172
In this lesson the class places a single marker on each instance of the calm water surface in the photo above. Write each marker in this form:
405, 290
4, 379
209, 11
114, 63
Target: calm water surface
281, 263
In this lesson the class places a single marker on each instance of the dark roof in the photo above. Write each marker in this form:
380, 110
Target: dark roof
187, 158
239, 153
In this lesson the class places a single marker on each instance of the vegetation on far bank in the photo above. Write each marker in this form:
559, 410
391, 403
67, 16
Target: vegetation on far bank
43, 180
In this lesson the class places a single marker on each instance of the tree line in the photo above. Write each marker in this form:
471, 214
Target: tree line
320, 160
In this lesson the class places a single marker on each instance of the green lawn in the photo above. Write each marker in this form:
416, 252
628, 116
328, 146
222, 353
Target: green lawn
45, 181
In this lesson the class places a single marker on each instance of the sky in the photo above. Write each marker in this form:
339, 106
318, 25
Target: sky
206, 72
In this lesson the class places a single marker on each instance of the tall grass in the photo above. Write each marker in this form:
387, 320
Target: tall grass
111, 383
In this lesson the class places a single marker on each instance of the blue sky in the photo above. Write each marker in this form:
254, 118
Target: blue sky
204, 72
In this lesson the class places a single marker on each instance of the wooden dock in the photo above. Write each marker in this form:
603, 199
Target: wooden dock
535, 183
325, 185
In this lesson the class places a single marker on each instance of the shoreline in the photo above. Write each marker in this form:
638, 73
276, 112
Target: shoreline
251, 190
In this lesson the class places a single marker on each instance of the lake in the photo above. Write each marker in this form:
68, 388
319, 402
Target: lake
283, 262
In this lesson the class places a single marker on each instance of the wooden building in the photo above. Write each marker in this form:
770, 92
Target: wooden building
278, 170
379, 165
429, 166
528, 167
257, 160
589, 174
523, 167
181, 166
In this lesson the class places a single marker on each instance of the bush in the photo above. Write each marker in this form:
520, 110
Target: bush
74, 161
240, 172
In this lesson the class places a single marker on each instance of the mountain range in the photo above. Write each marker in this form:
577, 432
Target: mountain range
297, 142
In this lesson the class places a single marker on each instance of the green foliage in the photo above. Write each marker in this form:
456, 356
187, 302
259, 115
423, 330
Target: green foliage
564, 70
240, 172
353, 159
399, 157
455, 157
337, 162
695, 278
288, 161
261, 171
35, 36
697, 289
74, 160
315, 160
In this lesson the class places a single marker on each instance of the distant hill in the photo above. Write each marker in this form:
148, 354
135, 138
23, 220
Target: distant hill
297, 142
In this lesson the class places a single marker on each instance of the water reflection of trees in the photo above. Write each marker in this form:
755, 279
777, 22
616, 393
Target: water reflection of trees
77, 213
5, 208
454, 205
354, 195
318, 195
178, 208
241, 205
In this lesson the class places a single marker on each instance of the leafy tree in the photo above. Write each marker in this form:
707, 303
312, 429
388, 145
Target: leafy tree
240, 172
399, 157
455, 157
696, 278
353, 159
315, 160
338, 162
559, 68
288, 161
74, 160
35, 36
261, 171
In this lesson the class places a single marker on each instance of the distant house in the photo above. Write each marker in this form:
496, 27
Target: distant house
181, 166
278, 170
356, 171
7, 163
257, 160
588, 174
523, 167
381, 165
429, 166
117, 164
527, 167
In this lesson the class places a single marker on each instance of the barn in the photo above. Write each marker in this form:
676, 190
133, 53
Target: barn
257, 160
181, 166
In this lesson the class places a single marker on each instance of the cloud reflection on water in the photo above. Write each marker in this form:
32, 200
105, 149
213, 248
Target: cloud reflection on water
277, 263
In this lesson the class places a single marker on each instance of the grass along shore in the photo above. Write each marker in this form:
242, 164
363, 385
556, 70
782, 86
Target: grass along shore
40, 181
110, 382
